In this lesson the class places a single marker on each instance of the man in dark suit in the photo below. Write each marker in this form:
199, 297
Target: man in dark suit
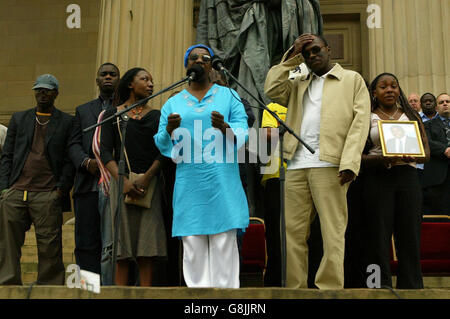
36, 177
436, 176
88, 240
401, 143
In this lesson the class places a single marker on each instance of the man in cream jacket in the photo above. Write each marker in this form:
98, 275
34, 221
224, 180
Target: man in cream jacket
330, 110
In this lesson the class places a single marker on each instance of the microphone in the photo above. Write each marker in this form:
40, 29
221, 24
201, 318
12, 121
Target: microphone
217, 63
195, 72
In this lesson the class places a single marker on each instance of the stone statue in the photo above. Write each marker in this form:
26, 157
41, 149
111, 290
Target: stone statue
251, 36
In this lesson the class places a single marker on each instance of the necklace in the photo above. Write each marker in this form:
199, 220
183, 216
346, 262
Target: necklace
37, 120
43, 114
137, 112
391, 117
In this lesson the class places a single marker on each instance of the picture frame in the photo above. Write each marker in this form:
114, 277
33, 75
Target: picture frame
400, 138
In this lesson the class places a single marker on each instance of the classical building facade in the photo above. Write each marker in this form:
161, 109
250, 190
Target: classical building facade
71, 38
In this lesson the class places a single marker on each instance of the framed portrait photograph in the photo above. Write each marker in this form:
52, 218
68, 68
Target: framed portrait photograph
400, 138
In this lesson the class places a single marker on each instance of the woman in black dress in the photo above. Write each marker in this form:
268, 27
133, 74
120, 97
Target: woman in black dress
141, 234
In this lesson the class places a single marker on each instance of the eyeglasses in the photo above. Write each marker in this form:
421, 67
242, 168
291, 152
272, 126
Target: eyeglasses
205, 57
315, 50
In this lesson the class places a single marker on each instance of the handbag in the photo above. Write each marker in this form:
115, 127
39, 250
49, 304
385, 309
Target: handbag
146, 200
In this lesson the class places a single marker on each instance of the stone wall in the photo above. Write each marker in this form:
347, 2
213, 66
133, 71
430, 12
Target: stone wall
35, 39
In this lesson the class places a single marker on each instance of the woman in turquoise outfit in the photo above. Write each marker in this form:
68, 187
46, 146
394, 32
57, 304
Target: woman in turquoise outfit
201, 129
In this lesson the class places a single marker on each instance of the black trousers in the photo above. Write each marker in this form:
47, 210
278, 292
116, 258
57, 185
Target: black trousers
438, 198
88, 241
272, 277
392, 205
354, 272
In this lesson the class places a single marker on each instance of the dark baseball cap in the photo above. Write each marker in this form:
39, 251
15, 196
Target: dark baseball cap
46, 81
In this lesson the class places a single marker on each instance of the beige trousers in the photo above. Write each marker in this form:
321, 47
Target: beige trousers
309, 191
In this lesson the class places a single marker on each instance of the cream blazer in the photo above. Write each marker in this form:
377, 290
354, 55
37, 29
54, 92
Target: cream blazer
345, 113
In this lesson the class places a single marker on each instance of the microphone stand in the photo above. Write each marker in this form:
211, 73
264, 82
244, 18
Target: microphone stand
121, 166
283, 129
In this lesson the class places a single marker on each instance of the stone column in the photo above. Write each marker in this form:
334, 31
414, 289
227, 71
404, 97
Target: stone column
413, 43
149, 34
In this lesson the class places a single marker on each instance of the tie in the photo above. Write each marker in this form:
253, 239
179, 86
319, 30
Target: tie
447, 130
400, 146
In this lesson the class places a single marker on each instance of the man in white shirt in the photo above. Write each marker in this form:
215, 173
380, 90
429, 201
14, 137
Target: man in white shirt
330, 109
310, 129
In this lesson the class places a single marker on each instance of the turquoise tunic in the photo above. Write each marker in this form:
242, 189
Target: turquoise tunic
208, 196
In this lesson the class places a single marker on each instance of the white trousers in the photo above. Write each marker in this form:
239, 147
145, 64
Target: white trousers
211, 260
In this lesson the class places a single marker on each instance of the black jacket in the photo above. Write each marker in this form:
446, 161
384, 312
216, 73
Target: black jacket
80, 146
436, 170
19, 140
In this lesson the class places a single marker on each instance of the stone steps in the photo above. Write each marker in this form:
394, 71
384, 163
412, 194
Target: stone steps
29, 262
194, 294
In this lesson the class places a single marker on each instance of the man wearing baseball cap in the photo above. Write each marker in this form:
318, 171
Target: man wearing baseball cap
36, 176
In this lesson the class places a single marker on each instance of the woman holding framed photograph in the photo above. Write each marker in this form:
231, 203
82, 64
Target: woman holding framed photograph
392, 197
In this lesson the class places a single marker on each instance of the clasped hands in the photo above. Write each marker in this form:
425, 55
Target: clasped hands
217, 121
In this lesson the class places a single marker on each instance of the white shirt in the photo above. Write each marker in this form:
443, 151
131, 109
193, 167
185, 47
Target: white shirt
3, 130
400, 147
310, 127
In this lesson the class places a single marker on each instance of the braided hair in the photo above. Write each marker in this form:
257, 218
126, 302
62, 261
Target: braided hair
402, 100
404, 106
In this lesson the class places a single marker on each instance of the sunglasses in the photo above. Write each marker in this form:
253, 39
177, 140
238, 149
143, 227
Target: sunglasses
315, 50
205, 57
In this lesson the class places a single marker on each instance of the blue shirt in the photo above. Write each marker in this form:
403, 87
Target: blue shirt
426, 118
208, 195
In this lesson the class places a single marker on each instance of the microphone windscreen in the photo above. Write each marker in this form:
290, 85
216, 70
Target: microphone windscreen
216, 63
198, 71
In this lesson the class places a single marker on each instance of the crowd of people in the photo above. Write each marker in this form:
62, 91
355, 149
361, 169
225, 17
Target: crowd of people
171, 197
